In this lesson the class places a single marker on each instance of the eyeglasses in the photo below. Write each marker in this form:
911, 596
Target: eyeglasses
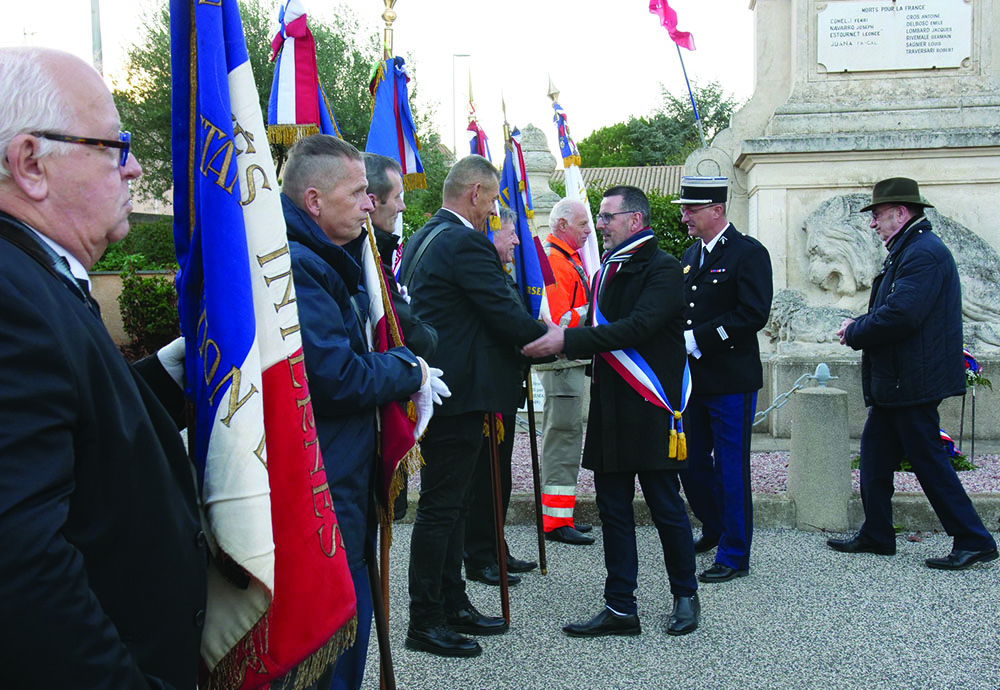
606, 217
876, 213
688, 209
123, 144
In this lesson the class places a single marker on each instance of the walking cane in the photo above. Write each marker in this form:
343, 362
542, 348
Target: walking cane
387, 677
535, 475
498, 515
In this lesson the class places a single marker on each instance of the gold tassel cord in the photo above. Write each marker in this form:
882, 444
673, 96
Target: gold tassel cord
413, 181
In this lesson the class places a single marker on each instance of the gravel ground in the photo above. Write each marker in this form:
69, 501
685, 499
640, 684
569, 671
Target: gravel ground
806, 618
769, 473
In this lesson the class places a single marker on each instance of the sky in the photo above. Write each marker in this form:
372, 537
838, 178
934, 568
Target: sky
608, 59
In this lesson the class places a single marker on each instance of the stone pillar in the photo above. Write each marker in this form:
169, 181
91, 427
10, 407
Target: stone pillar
539, 163
819, 471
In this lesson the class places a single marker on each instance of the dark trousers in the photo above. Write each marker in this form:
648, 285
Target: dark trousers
717, 481
913, 432
450, 448
350, 668
480, 520
661, 489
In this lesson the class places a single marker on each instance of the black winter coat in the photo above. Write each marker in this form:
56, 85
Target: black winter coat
643, 303
911, 336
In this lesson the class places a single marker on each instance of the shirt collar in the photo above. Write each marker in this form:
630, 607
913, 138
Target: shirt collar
715, 240
75, 267
458, 215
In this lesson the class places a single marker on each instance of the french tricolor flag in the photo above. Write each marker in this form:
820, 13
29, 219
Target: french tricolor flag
297, 99
281, 601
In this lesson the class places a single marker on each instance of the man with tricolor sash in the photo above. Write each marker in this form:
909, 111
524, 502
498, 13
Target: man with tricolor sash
639, 389
727, 293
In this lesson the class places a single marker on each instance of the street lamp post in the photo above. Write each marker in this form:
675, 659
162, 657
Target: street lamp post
454, 105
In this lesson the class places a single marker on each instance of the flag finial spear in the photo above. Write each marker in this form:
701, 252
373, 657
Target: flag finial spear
553, 91
506, 125
388, 16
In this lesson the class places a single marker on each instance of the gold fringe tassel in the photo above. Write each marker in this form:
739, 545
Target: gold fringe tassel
572, 160
413, 181
231, 670
408, 466
672, 448
682, 447
286, 135
500, 429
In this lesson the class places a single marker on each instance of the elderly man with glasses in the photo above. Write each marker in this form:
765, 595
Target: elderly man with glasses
103, 565
727, 295
911, 343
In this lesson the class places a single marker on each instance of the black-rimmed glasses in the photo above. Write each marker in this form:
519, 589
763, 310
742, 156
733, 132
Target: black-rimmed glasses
123, 144
606, 217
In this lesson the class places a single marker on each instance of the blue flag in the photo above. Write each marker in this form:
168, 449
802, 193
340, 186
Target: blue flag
280, 599
515, 194
392, 132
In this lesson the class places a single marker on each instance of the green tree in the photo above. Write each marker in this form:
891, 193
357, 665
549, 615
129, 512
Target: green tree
665, 137
345, 56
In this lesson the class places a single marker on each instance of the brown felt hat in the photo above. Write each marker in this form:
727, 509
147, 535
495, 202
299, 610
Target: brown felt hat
896, 190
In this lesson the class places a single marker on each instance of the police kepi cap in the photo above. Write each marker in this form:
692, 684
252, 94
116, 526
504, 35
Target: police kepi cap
703, 190
896, 190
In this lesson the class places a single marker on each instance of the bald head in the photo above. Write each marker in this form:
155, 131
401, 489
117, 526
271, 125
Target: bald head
74, 192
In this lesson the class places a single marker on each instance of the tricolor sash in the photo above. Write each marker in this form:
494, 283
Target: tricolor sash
631, 365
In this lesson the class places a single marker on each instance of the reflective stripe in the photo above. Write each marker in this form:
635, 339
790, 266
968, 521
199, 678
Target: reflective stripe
557, 512
559, 490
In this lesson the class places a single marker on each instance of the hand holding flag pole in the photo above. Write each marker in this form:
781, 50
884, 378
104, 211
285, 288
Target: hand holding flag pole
668, 19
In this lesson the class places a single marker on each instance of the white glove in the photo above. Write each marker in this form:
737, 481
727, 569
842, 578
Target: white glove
692, 344
404, 293
172, 358
430, 393
439, 389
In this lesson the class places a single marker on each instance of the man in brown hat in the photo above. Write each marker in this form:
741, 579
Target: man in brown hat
911, 342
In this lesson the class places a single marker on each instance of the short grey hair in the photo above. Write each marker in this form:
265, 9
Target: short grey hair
32, 101
507, 215
564, 209
315, 161
466, 172
377, 171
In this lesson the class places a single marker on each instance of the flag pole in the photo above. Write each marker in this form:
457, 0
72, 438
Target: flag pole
380, 601
697, 119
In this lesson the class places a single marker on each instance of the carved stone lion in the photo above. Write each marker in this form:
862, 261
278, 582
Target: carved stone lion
844, 255
792, 319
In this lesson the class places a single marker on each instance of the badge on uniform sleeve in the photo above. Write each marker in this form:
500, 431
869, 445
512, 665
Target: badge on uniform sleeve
687, 269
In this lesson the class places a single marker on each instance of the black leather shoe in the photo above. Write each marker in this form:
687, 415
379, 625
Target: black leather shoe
960, 560
705, 544
686, 615
516, 565
607, 622
721, 573
469, 621
490, 575
582, 527
568, 535
859, 543
441, 640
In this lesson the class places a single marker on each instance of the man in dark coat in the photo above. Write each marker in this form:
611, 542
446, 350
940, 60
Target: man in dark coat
325, 206
103, 565
385, 192
911, 342
637, 310
458, 285
727, 290
481, 553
